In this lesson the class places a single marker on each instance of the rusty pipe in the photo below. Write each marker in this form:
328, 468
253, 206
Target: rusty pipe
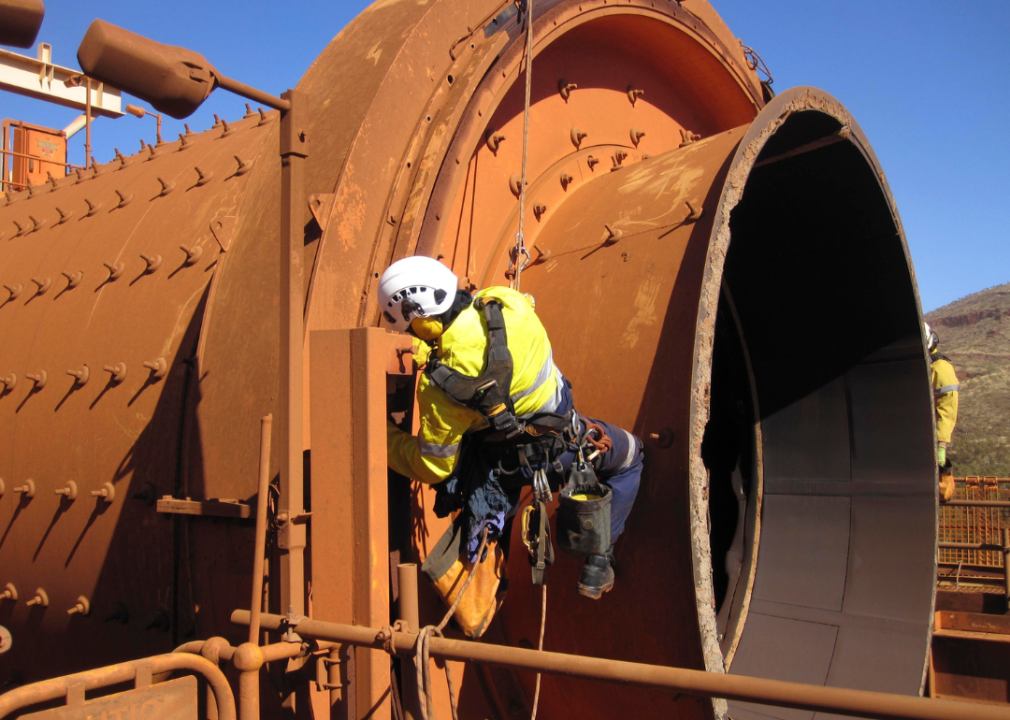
266, 428
56, 688
251, 93
977, 503
27, 156
841, 701
969, 546
408, 611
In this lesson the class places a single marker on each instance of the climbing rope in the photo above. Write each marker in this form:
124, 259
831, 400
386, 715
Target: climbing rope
421, 653
518, 263
540, 646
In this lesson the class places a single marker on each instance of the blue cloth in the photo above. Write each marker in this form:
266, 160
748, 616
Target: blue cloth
474, 489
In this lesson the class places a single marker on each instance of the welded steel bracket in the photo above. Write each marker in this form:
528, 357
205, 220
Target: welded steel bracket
209, 508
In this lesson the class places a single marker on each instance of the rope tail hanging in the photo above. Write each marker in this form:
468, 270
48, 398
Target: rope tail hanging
520, 255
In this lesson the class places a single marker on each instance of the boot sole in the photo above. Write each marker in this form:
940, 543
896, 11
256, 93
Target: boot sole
594, 593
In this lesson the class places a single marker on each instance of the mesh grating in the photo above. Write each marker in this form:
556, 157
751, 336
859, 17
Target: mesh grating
975, 524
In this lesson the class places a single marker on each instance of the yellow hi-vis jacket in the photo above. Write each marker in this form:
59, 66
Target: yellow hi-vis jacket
536, 383
945, 389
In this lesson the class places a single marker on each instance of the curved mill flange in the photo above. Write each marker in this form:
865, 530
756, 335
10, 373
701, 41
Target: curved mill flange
724, 277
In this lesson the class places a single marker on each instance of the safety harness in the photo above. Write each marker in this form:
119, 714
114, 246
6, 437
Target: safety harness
489, 392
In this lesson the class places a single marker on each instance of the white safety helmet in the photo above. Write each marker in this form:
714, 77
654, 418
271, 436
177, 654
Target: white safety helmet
932, 339
413, 287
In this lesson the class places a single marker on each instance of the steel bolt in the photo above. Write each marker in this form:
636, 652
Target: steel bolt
243, 166
82, 375
687, 137
634, 94
193, 254
107, 492
73, 280
83, 607
227, 130
122, 160
124, 200
514, 183
204, 178
566, 180
93, 208
636, 136
118, 372
36, 223
119, 614
147, 494
116, 270
592, 162
494, 139
152, 152
167, 187
577, 136
565, 88
22, 229
10, 593
183, 140
41, 598
40, 379
64, 216
69, 491
539, 209
27, 490
14, 290
159, 368
9, 383
249, 112
43, 285
264, 118
612, 235
153, 262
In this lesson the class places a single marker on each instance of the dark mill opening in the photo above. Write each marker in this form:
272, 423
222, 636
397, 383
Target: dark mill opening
819, 381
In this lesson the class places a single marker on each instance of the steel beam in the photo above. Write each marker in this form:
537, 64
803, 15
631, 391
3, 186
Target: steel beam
350, 567
40, 79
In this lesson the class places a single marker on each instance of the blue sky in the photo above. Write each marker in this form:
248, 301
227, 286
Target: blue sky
926, 80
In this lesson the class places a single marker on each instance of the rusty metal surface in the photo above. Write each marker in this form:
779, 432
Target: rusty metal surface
125, 432
20, 21
413, 120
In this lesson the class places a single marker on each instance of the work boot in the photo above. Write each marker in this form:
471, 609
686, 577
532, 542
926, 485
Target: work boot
597, 576
946, 487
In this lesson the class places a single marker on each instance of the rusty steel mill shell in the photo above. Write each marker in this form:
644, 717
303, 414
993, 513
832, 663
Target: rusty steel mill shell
722, 272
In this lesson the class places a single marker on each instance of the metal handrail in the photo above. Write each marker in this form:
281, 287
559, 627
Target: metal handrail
22, 697
840, 701
40, 158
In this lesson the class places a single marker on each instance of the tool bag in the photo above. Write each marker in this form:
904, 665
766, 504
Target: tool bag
583, 520
448, 566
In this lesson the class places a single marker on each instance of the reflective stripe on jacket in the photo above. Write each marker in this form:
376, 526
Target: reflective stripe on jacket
431, 456
945, 389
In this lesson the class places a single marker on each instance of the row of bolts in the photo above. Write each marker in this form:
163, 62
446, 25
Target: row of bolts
203, 178
83, 605
158, 368
161, 620
116, 270
184, 143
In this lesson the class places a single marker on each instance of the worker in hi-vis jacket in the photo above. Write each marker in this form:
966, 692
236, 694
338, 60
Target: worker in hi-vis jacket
945, 388
491, 398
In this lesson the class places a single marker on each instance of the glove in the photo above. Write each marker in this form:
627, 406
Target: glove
941, 455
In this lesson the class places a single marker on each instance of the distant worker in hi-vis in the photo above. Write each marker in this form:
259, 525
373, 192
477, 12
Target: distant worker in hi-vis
496, 416
945, 389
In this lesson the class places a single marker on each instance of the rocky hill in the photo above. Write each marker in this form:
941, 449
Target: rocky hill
975, 334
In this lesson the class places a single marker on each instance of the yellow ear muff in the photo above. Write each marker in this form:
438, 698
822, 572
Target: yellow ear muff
426, 328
